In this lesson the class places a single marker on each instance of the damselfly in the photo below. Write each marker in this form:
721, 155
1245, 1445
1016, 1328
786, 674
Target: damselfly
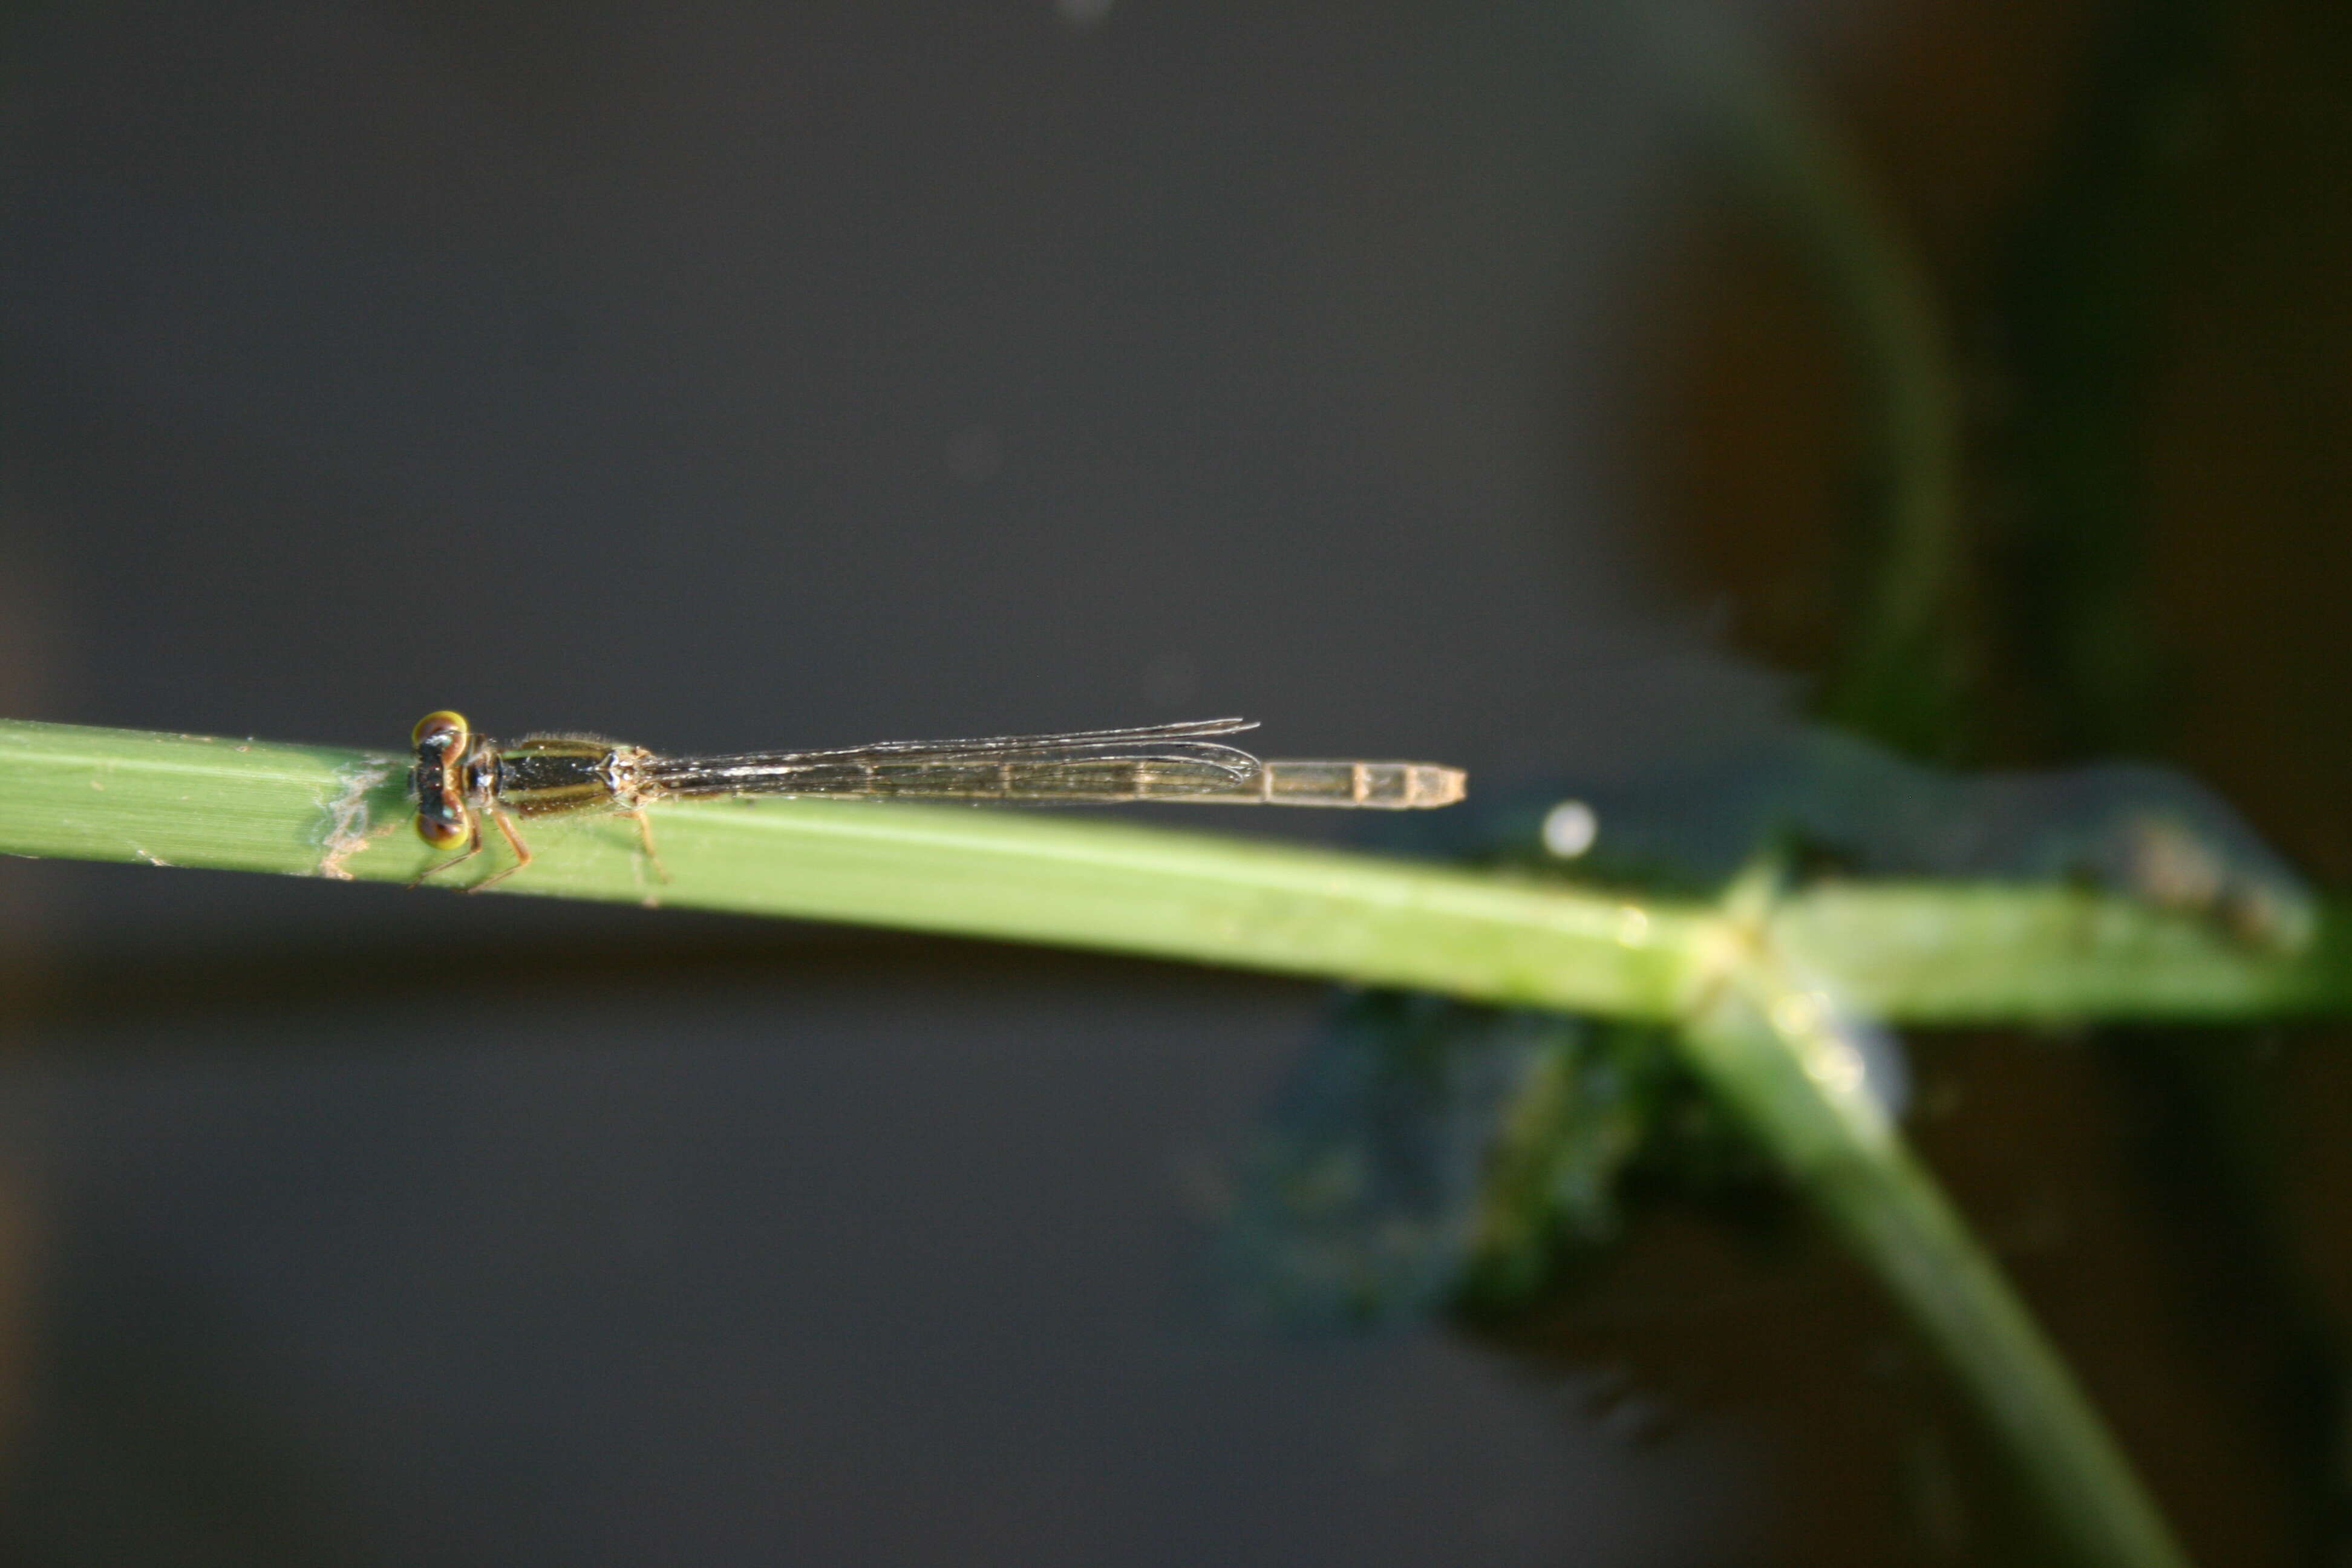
462, 775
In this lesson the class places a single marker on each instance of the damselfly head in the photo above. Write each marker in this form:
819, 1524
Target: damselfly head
442, 740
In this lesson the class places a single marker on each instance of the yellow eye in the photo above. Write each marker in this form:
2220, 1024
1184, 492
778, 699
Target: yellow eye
443, 723
439, 833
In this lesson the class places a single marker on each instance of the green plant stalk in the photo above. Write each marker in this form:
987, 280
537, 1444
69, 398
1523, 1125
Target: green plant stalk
1016, 876
1898, 680
1902, 677
1779, 1049
1771, 1049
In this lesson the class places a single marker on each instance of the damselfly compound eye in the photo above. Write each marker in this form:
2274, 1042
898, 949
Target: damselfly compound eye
441, 724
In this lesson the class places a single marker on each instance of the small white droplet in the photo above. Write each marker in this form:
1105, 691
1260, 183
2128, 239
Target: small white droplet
1570, 828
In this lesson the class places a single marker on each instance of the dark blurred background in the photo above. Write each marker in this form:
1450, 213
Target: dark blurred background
1411, 378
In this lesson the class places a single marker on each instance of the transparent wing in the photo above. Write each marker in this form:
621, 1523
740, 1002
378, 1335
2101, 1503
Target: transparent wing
1160, 761
1144, 739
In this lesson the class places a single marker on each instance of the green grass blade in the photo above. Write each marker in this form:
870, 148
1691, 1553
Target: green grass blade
1076, 880
1929, 952
1769, 1048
